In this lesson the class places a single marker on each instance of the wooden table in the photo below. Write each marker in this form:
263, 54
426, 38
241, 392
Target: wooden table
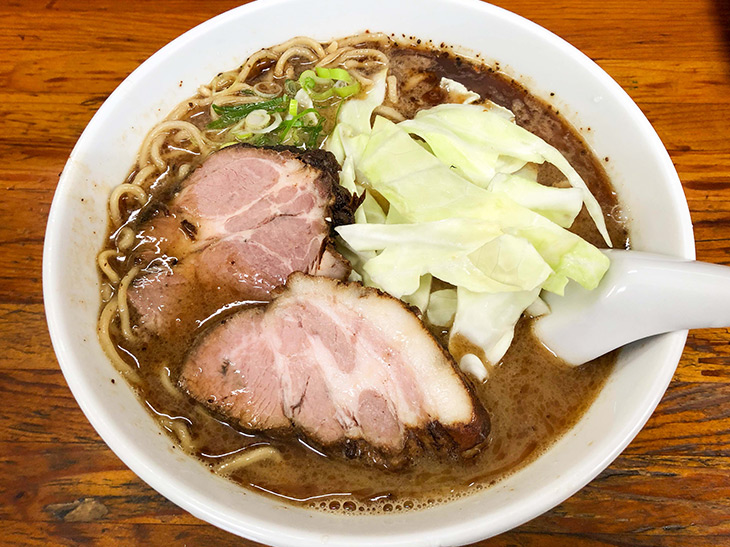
60, 484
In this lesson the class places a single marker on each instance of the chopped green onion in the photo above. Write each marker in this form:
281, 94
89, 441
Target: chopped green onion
298, 122
232, 114
321, 96
314, 132
308, 79
275, 123
347, 90
326, 87
257, 119
293, 107
260, 140
291, 87
334, 74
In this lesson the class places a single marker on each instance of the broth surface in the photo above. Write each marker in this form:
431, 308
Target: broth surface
532, 397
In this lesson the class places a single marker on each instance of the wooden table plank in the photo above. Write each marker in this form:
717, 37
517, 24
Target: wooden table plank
27, 344
60, 59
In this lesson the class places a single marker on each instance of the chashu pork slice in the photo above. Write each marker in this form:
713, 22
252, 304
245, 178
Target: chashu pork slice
350, 368
242, 222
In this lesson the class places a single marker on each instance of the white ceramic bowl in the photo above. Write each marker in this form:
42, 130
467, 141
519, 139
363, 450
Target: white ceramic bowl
640, 169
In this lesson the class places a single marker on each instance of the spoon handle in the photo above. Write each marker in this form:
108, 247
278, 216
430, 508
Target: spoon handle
641, 295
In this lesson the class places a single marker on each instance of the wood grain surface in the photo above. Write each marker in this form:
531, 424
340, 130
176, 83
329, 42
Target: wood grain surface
61, 485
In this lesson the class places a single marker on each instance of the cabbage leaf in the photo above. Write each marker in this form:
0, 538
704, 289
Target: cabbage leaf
442, 307
349, 138
462, 251
561, 205
479, 142
423, 189
422, 296
463, 206
487, 320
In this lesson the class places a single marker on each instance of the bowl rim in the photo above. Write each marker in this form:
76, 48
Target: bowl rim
155, 475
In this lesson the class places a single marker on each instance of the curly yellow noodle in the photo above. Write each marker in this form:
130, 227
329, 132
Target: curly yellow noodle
183, 434
168, 126
248, 457
181, 431
364, 38
179, 138
183, 108
299, 41
389, 112
107, 291
375, 54
249, 64
102, 329
124, 190
143, 174
125, 239
223, 80
166, 382
350, 66
156, 154
293, 52
392, 84
102, 259
183, 170
332, 57
122, 307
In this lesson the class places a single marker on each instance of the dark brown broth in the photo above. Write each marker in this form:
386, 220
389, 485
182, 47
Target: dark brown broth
532, 397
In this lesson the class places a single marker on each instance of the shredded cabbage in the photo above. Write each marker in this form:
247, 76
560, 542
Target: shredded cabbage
422, 189
470, 137
462, 251
561, 205
458, 92
349, 138
421, 297
462, 206
442, 307
487, 320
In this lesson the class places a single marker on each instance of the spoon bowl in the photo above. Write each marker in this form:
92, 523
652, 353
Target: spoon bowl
641, 295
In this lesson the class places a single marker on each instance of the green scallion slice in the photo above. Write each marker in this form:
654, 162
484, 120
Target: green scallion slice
235, 113
334, 74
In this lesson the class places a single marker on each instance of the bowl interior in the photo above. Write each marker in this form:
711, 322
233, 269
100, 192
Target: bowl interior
640, 169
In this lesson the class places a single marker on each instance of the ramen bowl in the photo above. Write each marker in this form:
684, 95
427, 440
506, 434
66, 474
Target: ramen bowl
640, 170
